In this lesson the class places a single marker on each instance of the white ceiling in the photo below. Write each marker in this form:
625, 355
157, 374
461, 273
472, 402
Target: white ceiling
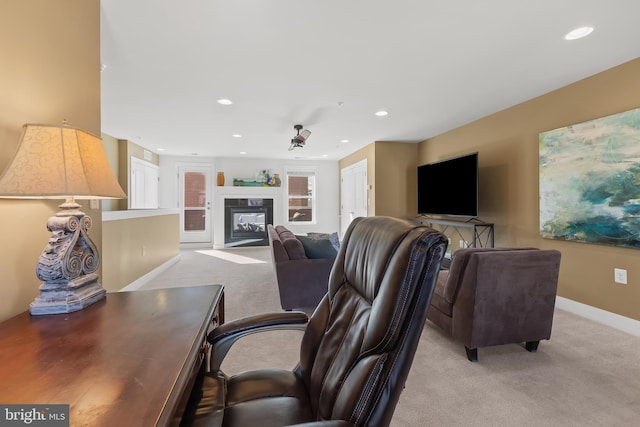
433, 64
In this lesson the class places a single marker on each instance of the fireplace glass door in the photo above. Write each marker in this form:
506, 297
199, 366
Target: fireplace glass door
246, 221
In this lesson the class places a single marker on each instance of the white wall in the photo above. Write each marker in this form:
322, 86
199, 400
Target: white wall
327, 179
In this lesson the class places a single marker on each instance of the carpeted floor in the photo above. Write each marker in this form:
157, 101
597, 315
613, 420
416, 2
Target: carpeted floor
588, 374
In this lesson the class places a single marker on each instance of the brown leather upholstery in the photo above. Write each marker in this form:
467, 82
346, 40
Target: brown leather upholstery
357, 348
494, 296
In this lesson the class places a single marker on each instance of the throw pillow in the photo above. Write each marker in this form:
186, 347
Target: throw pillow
317, 248
333, 238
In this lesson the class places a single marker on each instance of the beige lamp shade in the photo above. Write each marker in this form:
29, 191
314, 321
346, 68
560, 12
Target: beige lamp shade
59, 162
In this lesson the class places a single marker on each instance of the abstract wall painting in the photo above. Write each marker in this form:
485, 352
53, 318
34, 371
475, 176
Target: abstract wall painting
590, 181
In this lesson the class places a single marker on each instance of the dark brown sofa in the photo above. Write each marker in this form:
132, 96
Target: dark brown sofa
494, 296
302, 281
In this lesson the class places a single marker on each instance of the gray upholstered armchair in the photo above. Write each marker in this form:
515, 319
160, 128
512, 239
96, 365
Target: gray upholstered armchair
494, 296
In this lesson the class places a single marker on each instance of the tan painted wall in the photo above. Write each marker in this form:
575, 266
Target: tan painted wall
133, 247
126, 150
50, 71
391, 175
112, 150
507, 143
395, 179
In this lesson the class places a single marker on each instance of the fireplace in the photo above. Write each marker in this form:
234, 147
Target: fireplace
245, 222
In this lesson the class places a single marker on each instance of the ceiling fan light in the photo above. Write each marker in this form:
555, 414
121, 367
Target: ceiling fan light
299, 139
305, 134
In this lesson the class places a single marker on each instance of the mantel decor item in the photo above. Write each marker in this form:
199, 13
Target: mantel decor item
263, 178
220, 179
61, 162
589, 176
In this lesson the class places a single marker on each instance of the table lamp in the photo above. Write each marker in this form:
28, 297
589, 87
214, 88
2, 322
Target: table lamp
61, 162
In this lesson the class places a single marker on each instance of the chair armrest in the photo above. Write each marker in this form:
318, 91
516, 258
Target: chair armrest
224, 336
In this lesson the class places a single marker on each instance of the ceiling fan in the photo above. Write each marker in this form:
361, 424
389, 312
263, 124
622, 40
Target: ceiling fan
299, 140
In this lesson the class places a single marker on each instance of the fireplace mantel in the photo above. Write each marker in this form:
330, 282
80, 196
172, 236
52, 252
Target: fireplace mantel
228, 190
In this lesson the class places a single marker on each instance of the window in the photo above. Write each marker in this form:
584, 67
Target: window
301, 196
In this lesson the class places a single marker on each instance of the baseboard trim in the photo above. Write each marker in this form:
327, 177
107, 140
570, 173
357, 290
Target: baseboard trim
142, 280
622, 323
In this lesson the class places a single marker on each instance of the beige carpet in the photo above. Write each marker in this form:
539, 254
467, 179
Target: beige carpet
588, 374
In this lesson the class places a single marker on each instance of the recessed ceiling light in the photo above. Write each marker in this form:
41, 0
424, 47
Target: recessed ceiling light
243, 152
236, 135
344, 141
381, 113
160, 149
578, 33
224, 101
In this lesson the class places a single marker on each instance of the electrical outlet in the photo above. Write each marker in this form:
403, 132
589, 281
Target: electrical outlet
620, 276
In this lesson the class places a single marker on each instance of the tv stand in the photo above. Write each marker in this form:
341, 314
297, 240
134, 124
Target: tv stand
479, 234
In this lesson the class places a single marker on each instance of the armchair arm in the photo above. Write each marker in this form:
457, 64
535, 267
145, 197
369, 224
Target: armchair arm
224, 336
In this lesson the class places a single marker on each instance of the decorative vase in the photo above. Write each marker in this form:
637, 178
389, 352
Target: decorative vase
220, 179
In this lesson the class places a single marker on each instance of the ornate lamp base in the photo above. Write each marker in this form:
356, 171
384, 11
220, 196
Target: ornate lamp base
67, 265
79, 293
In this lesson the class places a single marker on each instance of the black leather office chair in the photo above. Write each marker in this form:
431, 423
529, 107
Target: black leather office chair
357, 347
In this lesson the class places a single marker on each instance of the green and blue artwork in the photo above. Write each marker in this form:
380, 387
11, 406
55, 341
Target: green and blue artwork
590, 181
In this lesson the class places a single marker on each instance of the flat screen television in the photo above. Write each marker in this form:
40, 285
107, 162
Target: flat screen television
449, 187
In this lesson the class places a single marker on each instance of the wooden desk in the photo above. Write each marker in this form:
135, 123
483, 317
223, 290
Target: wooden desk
127, 360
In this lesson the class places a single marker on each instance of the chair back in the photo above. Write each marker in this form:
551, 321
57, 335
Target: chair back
506, 296
360, 341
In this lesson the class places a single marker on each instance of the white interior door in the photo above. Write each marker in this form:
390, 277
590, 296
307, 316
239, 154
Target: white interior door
143, 185
354, 191
194, 202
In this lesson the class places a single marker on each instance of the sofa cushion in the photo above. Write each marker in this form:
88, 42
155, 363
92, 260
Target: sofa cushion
294, 248
284, 233
317, 248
